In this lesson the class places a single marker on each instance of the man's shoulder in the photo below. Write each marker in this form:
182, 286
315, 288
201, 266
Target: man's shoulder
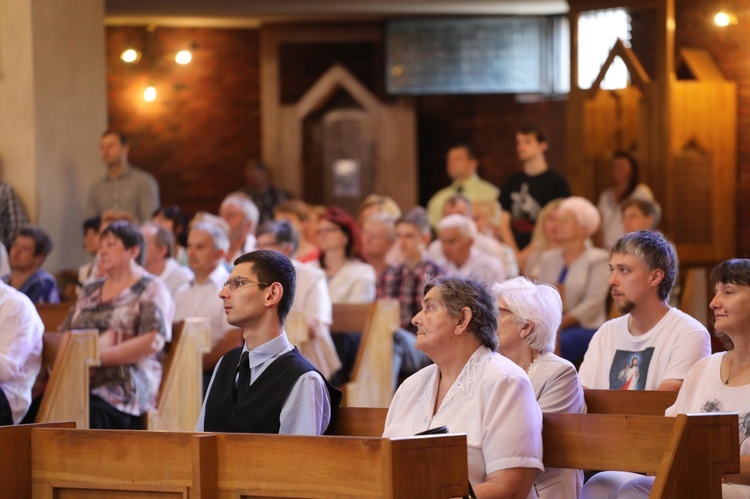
612, 329
680, 322
485, 190
142, 174
14, 302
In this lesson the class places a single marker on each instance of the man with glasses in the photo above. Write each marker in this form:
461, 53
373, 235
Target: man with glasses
265, 386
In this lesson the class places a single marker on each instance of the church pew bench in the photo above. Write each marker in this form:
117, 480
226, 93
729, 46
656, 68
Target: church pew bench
688, 454
119, 464
641, 402
371, 383
181, 392
53, 315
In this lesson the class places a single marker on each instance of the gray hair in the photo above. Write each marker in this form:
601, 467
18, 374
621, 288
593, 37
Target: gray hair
283, 233
216, 231
457, 292
653, 249
465, 225
417, 217
537, 303
585, 213
386, 220
246, 206
163, 238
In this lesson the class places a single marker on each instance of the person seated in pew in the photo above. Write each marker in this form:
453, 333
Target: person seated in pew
310, 298
378, 238
207, 245
719, 383
265, 386
176, 221
529, 315
133, 312
405, 283
241, 216
29, 249
20, 353
663, 340
471, 389
580, 273
301, 216
350, 280
158, 259
88, 270
640, 214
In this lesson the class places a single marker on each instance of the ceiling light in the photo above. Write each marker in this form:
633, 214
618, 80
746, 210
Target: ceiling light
130, 55
183, 57
149, 95
724, 19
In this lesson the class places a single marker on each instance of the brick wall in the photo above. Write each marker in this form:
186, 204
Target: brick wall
205, 123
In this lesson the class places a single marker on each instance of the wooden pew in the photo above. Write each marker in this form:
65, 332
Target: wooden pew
688, 454
53, 316
15, 442
66, 394
181, 393
180, 464
640, 402
371, 383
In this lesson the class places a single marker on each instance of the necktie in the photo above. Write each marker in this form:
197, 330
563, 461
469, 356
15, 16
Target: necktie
460, 189
243, 376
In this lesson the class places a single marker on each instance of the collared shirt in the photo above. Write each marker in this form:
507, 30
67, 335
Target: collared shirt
307, 410
474, 188
202, 300
175, 276
407, 286
21, 332
40, 287
479, 264
135, 191
12, 213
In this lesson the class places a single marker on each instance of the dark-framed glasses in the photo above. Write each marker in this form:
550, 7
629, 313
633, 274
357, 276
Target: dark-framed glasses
235, 282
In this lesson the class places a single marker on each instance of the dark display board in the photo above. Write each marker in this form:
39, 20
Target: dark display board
465, 55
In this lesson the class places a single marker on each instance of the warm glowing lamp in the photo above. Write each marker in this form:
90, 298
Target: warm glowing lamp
183, 57
724, 19
130, 55
149, 95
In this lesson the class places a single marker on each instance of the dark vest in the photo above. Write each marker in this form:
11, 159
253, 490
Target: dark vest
259, 411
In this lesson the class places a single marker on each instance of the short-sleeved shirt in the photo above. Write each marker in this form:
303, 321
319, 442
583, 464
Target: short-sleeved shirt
524, 196
667, 351
40, 287
143, 307
492, 401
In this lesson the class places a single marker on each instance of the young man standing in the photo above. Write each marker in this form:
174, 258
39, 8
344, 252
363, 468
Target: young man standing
525, 193
653, 345
265, 386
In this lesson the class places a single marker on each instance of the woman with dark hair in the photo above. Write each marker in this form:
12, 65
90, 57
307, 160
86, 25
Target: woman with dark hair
133, 312
471, 389
719, 383
176, 221
625, 184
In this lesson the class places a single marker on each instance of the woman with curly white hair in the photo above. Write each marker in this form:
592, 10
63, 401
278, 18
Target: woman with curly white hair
581, 274
529, 315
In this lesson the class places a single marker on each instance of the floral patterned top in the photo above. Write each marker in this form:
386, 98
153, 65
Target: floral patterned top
143, 307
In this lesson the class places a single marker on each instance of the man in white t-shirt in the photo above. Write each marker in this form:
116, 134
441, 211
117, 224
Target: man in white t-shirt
207, 245
653, 345
311, 298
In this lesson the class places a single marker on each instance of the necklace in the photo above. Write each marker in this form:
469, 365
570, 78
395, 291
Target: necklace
730, 375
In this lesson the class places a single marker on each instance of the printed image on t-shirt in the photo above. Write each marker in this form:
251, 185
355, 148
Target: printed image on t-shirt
524, 206
629, 370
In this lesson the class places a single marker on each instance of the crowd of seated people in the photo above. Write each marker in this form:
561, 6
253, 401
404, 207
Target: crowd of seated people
462, 306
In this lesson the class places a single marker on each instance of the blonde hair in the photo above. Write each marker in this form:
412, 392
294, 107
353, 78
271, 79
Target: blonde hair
385, 205
539, 239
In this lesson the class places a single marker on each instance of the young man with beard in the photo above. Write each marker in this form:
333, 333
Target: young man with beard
661, 341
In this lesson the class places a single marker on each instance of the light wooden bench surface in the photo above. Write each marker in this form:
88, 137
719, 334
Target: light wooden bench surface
641, 402
371, 383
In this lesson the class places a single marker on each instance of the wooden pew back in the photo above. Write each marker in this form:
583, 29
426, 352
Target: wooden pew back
53, 315
372, 383
66, 395
181, 392
640, 402
181, 464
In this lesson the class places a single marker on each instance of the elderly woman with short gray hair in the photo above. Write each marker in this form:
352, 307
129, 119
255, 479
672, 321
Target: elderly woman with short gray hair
529, 315
471, 389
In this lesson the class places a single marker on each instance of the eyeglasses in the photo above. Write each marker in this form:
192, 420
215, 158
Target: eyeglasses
235, 282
